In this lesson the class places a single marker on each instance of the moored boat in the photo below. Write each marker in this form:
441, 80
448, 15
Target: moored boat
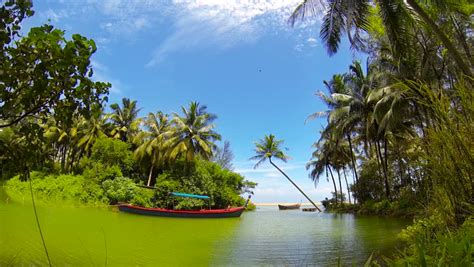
203, 213
289, 207
217, 213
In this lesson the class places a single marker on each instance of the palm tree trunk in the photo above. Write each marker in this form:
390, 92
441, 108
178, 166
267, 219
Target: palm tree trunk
354, 168
301, 191
444, 39
340, 185
347, 186
379, 151
333, 182
150, 175
387, 185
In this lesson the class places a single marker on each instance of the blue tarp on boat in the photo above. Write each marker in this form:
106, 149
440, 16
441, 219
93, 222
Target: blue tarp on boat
176, 194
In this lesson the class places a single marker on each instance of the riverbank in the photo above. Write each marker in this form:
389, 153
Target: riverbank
378, 208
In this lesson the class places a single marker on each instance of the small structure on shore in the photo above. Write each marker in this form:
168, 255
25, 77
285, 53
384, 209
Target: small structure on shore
309, 209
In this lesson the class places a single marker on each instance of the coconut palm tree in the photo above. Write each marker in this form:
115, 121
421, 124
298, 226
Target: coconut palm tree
268, 148
91, 129
152, 143
397, 16
320, 164
194, 135
124, 119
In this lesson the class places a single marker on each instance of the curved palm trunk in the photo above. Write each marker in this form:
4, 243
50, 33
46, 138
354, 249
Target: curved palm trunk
301, 191
444, 39
347, 186
333, 182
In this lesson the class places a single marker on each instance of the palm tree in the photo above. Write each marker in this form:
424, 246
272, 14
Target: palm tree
351, 17
268, 148
63, 139
124, 119
194, 133
320, 164
90, 130
153, 141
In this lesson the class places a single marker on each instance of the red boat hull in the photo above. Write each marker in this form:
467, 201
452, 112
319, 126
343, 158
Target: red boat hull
220, 213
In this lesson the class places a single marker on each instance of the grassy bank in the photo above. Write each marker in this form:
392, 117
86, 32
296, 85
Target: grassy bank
387, 208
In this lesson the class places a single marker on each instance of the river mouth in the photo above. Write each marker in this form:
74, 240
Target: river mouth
89, 236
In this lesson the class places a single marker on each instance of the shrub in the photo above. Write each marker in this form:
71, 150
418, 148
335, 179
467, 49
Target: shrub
109, 158
68, 189
201, 177
120, 189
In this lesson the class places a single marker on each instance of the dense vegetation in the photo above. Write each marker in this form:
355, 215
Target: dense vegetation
55, 131
398, 134
402, 124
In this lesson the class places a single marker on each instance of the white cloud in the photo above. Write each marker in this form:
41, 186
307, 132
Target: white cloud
223, 24
192, 24
312, 41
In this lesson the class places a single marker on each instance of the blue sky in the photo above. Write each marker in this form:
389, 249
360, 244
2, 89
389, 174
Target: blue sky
240, 58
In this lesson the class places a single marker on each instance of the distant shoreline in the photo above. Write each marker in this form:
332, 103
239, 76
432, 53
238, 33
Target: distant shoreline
261, 204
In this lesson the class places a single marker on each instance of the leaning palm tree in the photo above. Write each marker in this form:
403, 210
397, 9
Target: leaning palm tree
153, 141
194, 133
268, 148
124, 119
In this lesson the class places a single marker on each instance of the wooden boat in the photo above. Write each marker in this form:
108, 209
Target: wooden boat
204, 213
289, 207
218, 213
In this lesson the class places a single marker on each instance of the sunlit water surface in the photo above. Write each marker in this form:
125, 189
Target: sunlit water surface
88, 236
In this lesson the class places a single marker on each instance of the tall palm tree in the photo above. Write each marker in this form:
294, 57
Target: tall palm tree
153, 141
194, 135
124, 119
398, 16
268, 148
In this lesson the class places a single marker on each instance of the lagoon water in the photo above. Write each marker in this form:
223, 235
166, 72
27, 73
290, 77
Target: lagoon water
88, 236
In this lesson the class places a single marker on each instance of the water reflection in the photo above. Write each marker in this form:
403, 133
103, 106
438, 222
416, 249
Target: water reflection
271, 237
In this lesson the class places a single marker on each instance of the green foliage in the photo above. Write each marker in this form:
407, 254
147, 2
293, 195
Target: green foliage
64, 189
191, 204
100, 172
432, 243
119, 190
109, 158
200, 177
194, 133
44, 72
124, 190
369, 186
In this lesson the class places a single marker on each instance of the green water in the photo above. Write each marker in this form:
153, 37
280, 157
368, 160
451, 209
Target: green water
89, 236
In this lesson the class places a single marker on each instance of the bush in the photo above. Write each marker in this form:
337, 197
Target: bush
109, 158
202, 178
68, 189
120, 189
99, 172
431, 243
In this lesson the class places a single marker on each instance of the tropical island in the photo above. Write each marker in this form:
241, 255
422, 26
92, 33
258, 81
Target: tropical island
397, 143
